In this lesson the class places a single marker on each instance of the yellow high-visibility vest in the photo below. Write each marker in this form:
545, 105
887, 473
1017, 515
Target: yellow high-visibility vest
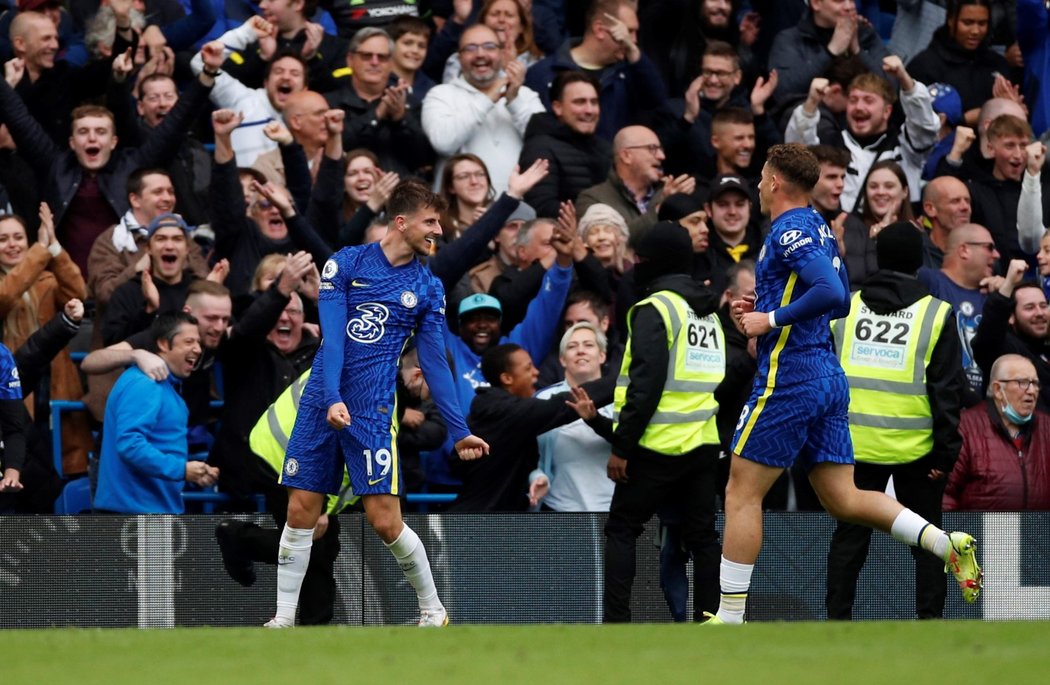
685, 416
885, 357
269, 438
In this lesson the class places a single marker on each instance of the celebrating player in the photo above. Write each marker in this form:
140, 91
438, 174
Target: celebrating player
798, 407
372, 298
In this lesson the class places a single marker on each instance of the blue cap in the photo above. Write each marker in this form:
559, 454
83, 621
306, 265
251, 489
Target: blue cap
479, 301
946, 101
167, 220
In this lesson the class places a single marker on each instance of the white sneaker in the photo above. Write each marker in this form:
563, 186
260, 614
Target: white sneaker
433, 618
276, 622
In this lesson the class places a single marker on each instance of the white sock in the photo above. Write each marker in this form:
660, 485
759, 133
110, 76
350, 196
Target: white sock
412, 558
735, 580
292, 560
914, 530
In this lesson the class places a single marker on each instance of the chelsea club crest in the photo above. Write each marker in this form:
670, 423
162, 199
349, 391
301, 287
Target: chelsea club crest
409, 299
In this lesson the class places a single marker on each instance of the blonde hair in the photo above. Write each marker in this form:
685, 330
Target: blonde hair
270, 265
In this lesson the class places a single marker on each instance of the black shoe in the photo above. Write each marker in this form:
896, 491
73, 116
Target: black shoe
239, 566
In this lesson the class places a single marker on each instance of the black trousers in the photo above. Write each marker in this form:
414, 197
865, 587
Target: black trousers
317, 598
654, 481
849, 544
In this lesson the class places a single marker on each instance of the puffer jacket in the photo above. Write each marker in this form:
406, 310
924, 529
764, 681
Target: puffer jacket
992, 474
577, 162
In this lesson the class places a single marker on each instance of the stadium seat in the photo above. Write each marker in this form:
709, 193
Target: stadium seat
75, 497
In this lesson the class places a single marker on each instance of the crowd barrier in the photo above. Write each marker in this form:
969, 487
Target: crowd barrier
165, 571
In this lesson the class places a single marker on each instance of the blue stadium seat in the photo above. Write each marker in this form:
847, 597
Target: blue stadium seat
75, 497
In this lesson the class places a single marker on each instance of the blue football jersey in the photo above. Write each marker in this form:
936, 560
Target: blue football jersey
804, 350
10, 384
384, 306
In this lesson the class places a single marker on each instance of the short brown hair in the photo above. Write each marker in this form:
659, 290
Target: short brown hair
203, 286
1009, 125
732, 115
598, 8
796, 164
829, 154
84, 111
410, 196
720, 48
872, 83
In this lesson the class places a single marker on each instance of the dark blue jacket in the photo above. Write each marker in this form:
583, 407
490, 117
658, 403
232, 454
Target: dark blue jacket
627, 90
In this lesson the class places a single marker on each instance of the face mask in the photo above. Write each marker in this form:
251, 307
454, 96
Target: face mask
1011, 414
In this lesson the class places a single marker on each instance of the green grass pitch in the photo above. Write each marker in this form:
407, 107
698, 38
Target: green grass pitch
882, 653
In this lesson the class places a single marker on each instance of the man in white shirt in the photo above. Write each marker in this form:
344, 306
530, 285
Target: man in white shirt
484, 110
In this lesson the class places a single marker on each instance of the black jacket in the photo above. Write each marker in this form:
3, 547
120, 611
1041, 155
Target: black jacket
577, 162
732, 393
59, 174
889, 291
970, 72
996, 336
510, 424
800, 54
52, 97
240, 240
516, 288
190, 168
401, 146
649, 358
994, 204
27, 443
126, 312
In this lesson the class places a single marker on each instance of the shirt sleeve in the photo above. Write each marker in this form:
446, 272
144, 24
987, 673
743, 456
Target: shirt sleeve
434, 363
331, 306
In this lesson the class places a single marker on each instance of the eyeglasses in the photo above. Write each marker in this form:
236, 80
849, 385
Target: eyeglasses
720, 75
381, 57
988, 246
263, 204
653, 148
489, 46
1022, 383
467, 175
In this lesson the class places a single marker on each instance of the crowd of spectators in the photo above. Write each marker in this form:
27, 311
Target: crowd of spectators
180, 163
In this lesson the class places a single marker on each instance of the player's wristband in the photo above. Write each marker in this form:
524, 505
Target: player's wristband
772, 320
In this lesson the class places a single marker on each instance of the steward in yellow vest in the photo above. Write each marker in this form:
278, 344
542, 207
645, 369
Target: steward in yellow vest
901, 353
665, 440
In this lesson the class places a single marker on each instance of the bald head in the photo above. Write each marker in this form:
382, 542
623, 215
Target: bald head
968, 233
34, 38
478, 33
24, 22
305, 101
1010, 366
638, 157
946, 202
304, 114
479, 60
995, 108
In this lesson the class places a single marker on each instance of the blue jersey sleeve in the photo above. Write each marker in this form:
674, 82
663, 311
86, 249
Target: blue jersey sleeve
430, 341
10, 384
331, 308
536, 332
825, 293
799, 243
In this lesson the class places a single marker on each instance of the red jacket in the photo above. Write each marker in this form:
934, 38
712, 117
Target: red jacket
991, 473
